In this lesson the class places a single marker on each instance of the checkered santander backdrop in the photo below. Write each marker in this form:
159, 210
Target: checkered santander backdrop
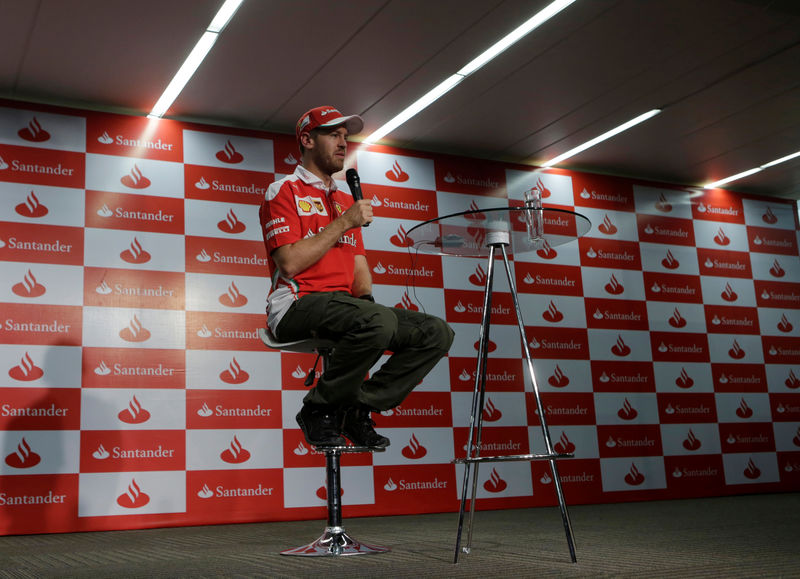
134, 391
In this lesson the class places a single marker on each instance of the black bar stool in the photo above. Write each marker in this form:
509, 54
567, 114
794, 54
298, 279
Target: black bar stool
334, 541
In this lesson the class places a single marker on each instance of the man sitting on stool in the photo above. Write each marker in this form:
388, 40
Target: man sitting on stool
322, 288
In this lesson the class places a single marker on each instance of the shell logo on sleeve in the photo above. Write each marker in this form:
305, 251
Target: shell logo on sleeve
310, 206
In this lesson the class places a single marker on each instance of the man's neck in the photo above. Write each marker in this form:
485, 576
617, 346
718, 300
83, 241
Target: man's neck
312, 168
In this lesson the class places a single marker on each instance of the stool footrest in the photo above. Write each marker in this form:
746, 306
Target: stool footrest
335, 542
512, 458
347, 448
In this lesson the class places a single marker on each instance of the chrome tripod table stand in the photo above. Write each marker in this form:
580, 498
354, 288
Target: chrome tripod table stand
488, 233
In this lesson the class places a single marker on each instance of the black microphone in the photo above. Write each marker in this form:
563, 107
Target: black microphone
354, 182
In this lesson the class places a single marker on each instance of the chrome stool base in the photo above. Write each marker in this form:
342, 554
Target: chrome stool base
335, 542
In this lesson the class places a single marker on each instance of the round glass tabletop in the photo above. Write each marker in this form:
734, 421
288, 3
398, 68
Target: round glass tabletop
521, 229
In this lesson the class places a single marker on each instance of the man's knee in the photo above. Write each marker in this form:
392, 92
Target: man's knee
438, 333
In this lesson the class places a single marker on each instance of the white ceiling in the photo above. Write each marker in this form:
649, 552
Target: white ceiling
726, 73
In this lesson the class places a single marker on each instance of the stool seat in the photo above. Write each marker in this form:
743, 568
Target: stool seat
309, 345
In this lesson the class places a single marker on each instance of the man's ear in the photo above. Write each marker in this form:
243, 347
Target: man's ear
306, 140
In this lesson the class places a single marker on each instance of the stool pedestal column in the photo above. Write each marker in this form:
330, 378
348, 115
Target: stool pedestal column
334, 541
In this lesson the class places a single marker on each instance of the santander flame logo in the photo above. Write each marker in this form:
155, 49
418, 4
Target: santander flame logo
34, 132
669, 262
29, 287
546, 252
613, 286
233, 298
552, 314
490, 412
205, 492
776, 270
634, 477
414, 450
135, 179
558, 379
136, 253
26, 371
744, 411
691, 442
231, 224
479, 277
796, 439
491, 346
751, 471
495, 484
792, 382
32, 207
135, 332
736, 352
662, 204
627, 412
784, 325
229, 154
677, 320
542, 189
564, 445
234, 374
728, 294
397, 174
102, 369
322, 492
475, 216
607, 227
620, 348
769, 216
133, 498
235, 453
23, 457
684, 380
406, 303
401, 239
721, 239
134, 413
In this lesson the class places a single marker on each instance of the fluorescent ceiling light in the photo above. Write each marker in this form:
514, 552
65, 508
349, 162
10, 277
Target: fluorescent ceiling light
185, 72
419, 105
605, 136
196, 56
781, 160
224, 15
750, 171
492, 52
518, 33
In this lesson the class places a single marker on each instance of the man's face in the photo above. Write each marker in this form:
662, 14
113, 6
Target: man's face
329, 148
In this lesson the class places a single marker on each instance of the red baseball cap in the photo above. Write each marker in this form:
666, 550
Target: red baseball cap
326, 117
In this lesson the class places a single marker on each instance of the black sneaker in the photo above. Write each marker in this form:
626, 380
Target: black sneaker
358, 427
321, 425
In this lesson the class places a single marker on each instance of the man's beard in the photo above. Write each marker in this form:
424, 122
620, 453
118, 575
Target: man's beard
333, 164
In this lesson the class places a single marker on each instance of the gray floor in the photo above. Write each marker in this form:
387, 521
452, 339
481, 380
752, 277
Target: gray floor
744, 536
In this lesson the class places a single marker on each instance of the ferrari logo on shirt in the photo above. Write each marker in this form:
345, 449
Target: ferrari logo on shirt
338, 207
310, 206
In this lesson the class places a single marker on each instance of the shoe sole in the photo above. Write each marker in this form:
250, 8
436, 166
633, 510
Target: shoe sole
357, 443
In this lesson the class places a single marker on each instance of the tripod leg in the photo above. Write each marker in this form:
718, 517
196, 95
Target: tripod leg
476, 413
542, 419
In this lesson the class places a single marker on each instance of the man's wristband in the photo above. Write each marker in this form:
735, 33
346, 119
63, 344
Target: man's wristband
367, 297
